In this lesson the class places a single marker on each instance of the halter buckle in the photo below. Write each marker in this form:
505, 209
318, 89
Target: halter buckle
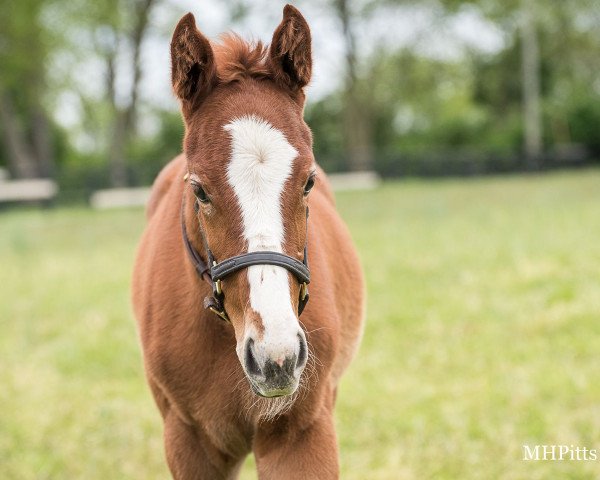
216, 306
303, 291
222, 314
218, 288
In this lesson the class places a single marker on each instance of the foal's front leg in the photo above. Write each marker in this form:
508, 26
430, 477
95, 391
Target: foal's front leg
306, 454
191, 455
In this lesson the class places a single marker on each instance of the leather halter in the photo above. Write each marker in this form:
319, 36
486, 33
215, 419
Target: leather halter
213, 272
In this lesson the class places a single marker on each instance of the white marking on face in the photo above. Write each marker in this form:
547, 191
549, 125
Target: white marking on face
261, 162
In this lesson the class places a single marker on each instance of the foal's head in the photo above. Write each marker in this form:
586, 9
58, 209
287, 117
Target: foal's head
251, 168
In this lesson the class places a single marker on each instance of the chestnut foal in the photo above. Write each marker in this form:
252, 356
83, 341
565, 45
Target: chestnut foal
232, 364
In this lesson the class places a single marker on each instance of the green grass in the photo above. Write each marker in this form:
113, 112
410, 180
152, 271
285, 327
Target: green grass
483, 335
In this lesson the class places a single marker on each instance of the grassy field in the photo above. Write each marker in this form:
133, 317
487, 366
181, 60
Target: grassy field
483, 335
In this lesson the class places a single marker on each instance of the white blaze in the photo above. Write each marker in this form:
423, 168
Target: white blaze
261, 162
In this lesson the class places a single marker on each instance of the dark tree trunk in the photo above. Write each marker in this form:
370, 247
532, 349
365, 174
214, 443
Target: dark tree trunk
356, 114
42, 143
530, 60
117, 161
21, 159
125, 119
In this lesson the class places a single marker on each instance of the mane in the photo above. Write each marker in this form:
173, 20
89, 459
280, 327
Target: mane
237, 59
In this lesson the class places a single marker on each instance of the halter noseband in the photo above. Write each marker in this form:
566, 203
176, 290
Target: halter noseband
213, 272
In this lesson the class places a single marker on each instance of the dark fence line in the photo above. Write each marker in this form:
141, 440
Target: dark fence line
78, 182
468, 162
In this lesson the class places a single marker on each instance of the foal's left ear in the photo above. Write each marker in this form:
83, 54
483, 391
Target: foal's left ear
290, 56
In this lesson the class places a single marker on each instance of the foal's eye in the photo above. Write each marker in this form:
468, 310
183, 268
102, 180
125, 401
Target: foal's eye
310, 183
200, 193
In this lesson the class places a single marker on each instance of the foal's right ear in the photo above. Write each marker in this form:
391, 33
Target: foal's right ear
193, 69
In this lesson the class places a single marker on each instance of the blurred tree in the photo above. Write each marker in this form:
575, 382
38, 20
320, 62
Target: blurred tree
530, 68
479, 101
357, 121
148, 154
25, 128
558, 55
323, 117
125, 25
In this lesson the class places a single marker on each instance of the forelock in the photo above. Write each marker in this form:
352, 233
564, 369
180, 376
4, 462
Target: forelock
237, 59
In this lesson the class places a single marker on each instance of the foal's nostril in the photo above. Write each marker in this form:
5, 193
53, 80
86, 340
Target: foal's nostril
303, 353
251, 364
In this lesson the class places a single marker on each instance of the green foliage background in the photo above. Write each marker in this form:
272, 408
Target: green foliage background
426, 113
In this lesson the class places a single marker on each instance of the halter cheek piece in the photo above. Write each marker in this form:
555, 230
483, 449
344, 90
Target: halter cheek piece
214, 272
